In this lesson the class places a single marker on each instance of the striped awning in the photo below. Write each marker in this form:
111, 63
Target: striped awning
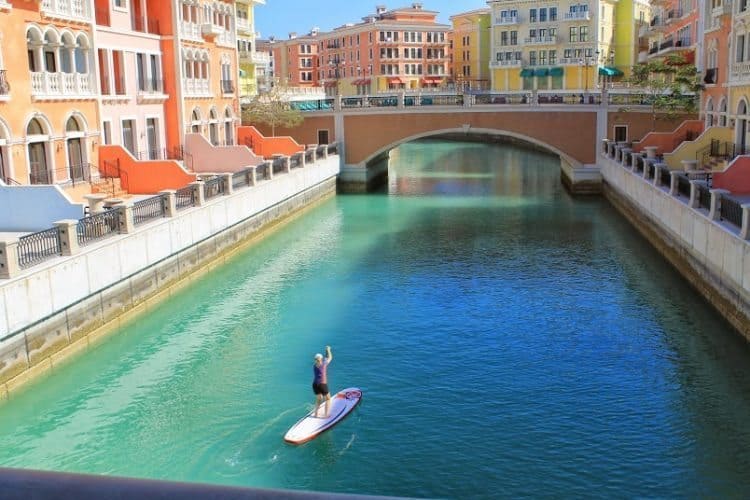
541, 72
527, 73
609, 71
557, 71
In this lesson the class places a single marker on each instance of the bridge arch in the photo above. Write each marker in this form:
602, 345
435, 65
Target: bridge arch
471, 131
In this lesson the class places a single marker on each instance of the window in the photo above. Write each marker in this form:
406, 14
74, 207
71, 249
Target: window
542, 15
503, 38
514, 37
740, 48
532, 58
583, 34
128, 135
121, 4
621, 133
542, 58
573, 34
532, 15
107, 127
552, 57
553, 13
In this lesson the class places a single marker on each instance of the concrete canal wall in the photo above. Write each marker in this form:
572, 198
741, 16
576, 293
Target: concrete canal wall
711, 254
64, 306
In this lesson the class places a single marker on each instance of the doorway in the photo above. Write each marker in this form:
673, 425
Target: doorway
322, 136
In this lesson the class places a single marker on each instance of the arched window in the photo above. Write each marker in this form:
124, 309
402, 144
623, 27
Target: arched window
34, 127
723, 113
195, 125
228, 127
37, 149
213, 127
72, 125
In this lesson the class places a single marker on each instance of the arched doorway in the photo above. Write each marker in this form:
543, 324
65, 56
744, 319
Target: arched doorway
228, 127
213, 127
37, 148
75, 142
740, 128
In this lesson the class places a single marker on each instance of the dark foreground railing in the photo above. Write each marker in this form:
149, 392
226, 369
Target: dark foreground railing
98, 226
38, 247
17, 484
731, 210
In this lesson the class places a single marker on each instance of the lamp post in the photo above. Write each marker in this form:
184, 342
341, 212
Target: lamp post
334, 64
366, 75
586, 62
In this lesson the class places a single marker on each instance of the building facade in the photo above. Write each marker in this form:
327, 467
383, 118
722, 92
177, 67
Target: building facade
470, 39
251, 61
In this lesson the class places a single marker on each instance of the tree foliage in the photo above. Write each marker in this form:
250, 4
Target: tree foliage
272, 108
668, 85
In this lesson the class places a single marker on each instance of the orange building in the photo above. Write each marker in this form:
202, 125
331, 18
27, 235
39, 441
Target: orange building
673, 29
48, 93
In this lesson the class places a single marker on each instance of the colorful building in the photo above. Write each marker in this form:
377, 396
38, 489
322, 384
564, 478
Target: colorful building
252, 62
550, 46
717, 77
471, 49
49, 128
673, 29
295, 60
630, 46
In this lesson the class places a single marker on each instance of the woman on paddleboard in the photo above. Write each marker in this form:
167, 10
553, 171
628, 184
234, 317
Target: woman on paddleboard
320, 381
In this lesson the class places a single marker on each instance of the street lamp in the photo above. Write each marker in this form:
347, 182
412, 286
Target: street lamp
366, 75
586, 63
334, 65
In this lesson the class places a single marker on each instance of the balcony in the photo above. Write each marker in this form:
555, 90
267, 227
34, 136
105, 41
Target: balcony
252, 57
70, 10
151, 90
45, 85
513, 63
225, 38
507, 20
243, 26
741, 71
210, 30
541, 40
227, 87
190, 30
577, 16
198, 87
142, 25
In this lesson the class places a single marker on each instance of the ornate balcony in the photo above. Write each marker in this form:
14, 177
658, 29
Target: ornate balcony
512, 63
190, 30
577, 16
243, 26
210, 30
507, 20
72, 10
45, 85
541, 40
198, 87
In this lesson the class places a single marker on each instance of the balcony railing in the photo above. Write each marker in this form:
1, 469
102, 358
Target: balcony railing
506, 63
508, 20
243, 25
66, 9
151, 86
4, 85
73, 85
577, 16
666, 44
541, 40
197, 86
190, 30
227, 86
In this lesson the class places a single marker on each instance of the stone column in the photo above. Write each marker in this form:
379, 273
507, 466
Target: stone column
9, 258
715, 212
604, 146
125, 217
325, 152
401, 99
745, 232
302, 160
650, 151
337, 102
287, 164
198, 194
269, 169
68, 236
673, 183
252, 177
646, 167
96, 202
227, 180
169, 199
314, 148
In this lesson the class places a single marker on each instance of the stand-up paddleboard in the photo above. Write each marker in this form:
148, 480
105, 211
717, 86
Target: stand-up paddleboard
311, 426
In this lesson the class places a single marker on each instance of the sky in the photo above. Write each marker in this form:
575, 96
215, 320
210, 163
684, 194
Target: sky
280, 17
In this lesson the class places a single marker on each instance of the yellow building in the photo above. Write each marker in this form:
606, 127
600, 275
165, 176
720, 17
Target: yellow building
471, 48
630, 42
249, 58
540, 46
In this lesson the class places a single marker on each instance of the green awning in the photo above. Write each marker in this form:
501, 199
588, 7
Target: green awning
541, 72
556, 71
609, 71
527, 73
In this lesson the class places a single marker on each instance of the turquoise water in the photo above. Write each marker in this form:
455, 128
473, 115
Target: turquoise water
509, 340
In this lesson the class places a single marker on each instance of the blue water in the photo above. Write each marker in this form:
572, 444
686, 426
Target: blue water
509, 339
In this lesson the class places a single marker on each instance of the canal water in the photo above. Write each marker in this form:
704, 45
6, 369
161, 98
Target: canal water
509, 339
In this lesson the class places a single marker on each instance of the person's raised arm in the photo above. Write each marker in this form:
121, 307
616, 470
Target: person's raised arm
329, 354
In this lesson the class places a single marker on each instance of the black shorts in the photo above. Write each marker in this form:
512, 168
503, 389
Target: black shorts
321, 389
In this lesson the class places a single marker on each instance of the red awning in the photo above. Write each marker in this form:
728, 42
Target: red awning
432, 79
363, 81
396, 81
329, 84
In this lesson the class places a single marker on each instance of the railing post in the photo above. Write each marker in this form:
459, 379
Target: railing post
646, 167
227, 180
68, 236
287, 164
314, 155
252, 177
693, 203
650, 151
96, 202
604, 146
745, 232
657, 173
169, 199
9, 258
325, 152
401, 99
125, 218
673, 182
715, 212
198, 194
624, 154
269, 169
302, 160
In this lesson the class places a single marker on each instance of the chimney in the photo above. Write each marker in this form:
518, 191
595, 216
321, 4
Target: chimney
416, 6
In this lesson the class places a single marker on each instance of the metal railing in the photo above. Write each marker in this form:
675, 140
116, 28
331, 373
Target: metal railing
666, 176
38, 247
295, 161
278, 165
683, 185
731, 210
149, 209
98, 226
333, 148
241, 178
213, 187
704, 196
308, 156
321, 150
263, 171
185, 197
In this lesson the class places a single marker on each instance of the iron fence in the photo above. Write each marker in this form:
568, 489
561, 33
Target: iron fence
148, 209
321, 150
241, 178
185, 197
263, 170
98, 226
333, 148
704, 196
666, 176
501, 99
683, 185
295, 161
731, 210
213, 187
278, 165
309, 156
38, 247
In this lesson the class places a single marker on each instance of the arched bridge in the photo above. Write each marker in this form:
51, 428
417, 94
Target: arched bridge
369, 127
